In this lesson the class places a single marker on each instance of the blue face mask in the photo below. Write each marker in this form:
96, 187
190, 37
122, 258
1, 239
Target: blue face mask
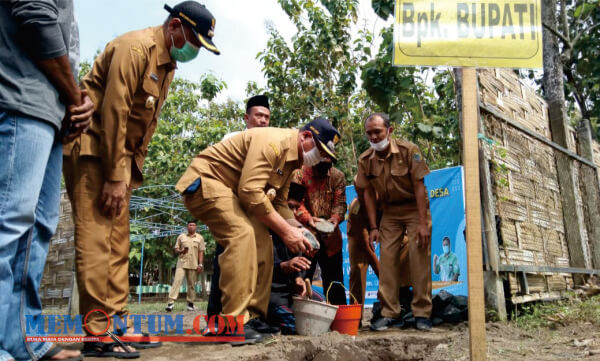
186, 53
446, 249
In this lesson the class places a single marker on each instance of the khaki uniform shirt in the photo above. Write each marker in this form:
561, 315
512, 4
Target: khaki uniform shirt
128, 85
249, 164
194, 244
391, 176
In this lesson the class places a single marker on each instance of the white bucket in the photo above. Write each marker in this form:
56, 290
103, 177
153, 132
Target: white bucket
312, 318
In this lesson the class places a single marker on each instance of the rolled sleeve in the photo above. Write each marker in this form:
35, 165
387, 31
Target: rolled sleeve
280, 204
256, 171
38, 22
303, 215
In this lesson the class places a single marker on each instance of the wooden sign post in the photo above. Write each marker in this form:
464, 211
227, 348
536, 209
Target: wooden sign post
455, 33
470, 121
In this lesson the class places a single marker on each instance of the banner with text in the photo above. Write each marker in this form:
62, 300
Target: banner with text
503, 33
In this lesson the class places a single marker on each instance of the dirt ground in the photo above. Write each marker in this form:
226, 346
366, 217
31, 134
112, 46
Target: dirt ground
446, 342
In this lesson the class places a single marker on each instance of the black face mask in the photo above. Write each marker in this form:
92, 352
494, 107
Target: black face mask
322, 168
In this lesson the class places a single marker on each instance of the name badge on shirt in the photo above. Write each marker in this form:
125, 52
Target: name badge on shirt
150, 102
154, 76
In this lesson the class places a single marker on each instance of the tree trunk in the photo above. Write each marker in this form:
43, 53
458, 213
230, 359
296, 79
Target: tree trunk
555, 96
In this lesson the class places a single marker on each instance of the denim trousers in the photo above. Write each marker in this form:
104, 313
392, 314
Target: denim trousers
30, 171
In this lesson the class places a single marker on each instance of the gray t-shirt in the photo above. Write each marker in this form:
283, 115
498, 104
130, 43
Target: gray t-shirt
29, 31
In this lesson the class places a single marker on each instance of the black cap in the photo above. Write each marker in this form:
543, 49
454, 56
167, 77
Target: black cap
199, 19
257, 100
296, 192
326, 134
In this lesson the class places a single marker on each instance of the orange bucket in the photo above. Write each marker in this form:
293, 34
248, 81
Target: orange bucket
347, 317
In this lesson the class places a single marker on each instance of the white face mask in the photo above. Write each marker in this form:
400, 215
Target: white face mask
382, 145
312, 157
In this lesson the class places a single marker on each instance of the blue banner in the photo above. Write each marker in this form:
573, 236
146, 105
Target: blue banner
449, 269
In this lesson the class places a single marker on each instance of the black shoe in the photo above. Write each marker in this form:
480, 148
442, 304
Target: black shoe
169, 307
385, 322
191, 307
423, 324
251, 336
263, 327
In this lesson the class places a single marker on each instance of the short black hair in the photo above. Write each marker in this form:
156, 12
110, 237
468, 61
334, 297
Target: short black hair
189, 222
446, 239
384, 116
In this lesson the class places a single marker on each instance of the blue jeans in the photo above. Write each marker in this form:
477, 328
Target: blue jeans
30, 171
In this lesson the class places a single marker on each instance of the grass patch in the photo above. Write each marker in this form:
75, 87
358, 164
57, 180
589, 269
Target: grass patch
153, 307
564, 312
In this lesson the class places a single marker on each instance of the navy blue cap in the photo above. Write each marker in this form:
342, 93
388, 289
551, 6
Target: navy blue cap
199, 19
326, 134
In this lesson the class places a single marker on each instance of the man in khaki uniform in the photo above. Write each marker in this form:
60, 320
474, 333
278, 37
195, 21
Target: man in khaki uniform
395, 170
360, 250
226, 188
128, 84
190, 248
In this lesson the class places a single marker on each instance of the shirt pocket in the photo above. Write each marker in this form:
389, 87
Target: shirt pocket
399, 169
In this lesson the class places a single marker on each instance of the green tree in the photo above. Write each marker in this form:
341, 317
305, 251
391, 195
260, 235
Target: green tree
189, 122
316, 75
421, 101
578, 28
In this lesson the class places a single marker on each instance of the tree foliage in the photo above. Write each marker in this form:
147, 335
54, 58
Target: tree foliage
189, 122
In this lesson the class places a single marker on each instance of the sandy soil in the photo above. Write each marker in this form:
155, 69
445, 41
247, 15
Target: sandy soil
446, 342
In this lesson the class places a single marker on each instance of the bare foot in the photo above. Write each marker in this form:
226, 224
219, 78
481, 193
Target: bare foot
66, 354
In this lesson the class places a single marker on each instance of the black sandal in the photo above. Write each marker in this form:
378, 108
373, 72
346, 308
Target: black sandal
103, 349
55, 350
141, 344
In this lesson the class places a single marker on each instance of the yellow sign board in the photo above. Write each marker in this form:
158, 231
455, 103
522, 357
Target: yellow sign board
503, 33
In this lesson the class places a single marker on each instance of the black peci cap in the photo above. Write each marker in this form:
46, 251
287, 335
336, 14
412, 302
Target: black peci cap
296, 192
257, 100
326, 134
199, 19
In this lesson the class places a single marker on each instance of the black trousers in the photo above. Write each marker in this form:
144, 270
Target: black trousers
331, 270
214, 298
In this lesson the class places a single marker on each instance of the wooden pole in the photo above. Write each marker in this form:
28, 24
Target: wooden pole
477, 338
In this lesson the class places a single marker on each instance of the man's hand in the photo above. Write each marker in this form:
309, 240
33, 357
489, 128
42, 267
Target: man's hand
311, 221
423, 235
435, 259
373, 238
335, 221
113, 197
295, 241
296, 264
200, 268
300, 287
78, 117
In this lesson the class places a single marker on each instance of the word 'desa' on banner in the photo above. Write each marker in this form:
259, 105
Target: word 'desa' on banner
504, 33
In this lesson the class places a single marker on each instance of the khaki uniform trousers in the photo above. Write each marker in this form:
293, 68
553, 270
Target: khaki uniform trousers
247, 261
360, 257
190, 276
403, 262
101, 243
